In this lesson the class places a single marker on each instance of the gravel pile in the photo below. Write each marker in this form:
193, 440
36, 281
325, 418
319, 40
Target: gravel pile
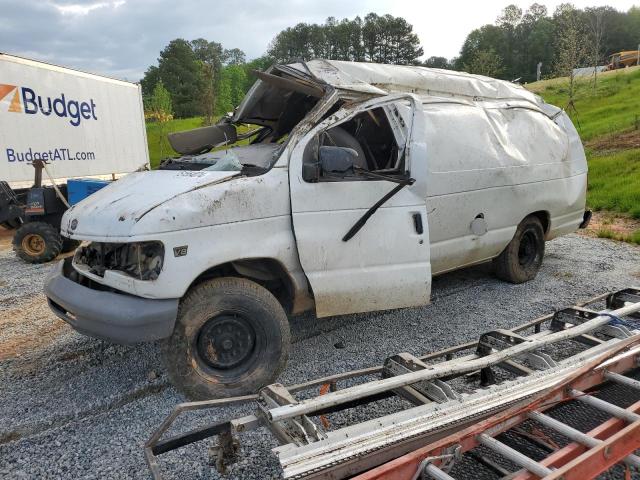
76, 407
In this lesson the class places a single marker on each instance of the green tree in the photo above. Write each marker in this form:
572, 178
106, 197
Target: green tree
437, 62
486, 38
224, 103
159, 108
522, 40
485, 62
234, 56
539, 47
148, 82
596, 29
571, 49
381, 39
390, 39
533, 37
181, 73
260, 64
231, 89
210, 56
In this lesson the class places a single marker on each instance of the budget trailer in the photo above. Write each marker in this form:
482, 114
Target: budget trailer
87, 126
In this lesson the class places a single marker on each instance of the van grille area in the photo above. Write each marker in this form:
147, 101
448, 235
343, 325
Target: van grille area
140, 260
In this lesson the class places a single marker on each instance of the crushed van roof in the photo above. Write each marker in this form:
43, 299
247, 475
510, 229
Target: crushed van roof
382, 79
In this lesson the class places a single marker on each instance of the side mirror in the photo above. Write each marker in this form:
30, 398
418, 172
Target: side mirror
338, 160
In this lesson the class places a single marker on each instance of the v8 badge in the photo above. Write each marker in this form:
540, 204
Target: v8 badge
180, 251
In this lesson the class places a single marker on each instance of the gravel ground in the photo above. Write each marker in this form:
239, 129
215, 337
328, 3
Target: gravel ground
76, 407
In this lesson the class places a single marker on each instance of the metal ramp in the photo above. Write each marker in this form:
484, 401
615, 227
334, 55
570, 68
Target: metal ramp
445, 393
585, 456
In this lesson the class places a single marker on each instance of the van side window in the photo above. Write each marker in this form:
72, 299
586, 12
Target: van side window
371, 136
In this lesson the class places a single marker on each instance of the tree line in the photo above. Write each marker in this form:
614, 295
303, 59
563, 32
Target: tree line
378, 39
202, 78
512, 47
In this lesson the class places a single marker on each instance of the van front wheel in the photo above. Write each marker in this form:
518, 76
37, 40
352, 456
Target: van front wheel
522, 258
231, 338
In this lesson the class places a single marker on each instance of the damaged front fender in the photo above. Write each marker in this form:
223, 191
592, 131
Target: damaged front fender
117, 209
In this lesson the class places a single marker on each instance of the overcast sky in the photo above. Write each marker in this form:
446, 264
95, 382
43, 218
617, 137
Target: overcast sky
121, 38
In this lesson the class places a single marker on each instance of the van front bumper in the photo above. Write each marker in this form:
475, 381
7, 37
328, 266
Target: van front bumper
112, 316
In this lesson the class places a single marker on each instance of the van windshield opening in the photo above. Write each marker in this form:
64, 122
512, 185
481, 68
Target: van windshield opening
250, 141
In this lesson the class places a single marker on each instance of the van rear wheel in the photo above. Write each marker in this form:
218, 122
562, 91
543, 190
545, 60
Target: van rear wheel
522, 258
231, 338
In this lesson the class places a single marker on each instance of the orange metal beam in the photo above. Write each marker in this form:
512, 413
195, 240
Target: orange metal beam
405, 466
573, 450
601, 458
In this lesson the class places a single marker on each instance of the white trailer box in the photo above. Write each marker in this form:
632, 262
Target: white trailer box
81, 124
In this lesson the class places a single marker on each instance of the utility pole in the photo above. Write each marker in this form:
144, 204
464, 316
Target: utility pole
539, 71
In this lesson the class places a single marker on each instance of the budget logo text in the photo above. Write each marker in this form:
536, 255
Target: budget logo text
26, 100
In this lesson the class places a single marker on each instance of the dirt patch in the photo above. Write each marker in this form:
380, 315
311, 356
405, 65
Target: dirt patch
617, 141
611, 225
5, 238
27, 327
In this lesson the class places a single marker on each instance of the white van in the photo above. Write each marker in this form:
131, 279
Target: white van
359, 184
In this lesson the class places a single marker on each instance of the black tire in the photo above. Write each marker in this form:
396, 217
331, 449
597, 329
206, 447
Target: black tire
231, 338
69, 245
37, 242
522, 258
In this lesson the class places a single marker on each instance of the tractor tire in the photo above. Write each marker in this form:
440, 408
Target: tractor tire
521, 260
37, 242
231, 338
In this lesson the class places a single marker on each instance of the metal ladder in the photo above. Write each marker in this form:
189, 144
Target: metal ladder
436, 408
621, 437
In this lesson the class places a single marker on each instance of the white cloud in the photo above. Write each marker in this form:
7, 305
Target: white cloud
78, 9
123, 37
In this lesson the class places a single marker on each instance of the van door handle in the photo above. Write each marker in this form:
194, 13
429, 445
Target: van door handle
417, 223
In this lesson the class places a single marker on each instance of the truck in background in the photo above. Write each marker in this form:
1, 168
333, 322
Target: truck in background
58, 124
624, 59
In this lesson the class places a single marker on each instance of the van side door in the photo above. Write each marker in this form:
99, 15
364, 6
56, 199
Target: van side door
358, 258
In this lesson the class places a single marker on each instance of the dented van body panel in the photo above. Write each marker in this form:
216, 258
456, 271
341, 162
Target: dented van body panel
447, 165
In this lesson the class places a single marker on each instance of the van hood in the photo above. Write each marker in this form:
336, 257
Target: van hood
114, 210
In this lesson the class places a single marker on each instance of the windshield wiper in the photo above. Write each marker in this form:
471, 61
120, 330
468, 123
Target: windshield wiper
249, 168
402, 182
378, 176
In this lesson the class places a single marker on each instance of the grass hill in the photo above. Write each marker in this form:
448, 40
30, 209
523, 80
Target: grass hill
608, 120
159, 147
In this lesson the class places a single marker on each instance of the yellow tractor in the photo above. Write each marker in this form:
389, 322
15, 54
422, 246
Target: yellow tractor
624, 59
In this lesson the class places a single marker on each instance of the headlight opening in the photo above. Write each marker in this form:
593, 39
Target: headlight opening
141, 260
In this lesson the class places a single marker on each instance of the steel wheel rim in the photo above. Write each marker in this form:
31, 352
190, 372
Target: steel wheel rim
33, 244
527, 251
226, 341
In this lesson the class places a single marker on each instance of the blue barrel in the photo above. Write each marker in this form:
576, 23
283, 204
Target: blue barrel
80, 188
